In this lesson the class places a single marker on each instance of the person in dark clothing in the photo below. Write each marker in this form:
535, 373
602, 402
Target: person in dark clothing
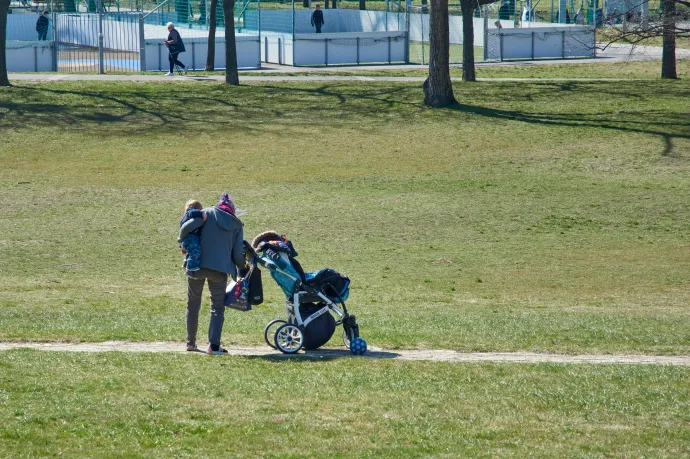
42, 26
175, 47
317, 19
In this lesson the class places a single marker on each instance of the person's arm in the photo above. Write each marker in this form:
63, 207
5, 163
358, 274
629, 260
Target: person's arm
238, 250
189, 226
312, 18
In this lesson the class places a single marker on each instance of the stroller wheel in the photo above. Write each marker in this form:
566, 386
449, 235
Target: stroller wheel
269, 333
289, 339
349, 335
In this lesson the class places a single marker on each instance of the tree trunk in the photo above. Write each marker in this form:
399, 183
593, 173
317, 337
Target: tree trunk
326, 5
668, 55
362, 4
211, 53
467, 7
438, 89
4, 8
231, 76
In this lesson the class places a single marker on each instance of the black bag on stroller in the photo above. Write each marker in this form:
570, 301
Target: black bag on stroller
319, 330
256, 288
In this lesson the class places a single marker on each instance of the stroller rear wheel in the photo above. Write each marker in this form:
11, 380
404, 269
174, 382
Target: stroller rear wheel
289, 339
269, 334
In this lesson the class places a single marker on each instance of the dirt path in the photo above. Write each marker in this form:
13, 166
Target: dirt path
436, 355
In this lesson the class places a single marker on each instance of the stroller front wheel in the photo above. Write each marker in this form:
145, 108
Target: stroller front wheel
289, 339
349, 335
269, 334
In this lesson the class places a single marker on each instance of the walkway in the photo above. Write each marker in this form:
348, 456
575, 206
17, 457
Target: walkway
48, 77
436, 355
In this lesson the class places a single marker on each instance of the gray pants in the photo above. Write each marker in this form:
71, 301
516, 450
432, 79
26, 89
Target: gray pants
217, 282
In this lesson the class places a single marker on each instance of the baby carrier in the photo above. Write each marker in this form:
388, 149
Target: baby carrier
311, 299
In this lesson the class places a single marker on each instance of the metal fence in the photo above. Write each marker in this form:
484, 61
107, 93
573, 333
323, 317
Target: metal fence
92, 42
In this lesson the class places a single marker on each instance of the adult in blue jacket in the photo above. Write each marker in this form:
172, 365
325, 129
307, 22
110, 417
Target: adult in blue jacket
222, 254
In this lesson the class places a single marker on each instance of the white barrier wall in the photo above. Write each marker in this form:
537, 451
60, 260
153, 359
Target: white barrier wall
341, 21
277, 48
34, 56
541, 42
349, 48
248, 53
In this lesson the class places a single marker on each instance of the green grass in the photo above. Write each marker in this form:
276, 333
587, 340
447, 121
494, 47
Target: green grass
118, 405
637, 70
533, 216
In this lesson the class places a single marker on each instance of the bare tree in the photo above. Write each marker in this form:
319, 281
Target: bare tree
231, 75
669, 25
4, 9
211, 54
468, 7
438, 89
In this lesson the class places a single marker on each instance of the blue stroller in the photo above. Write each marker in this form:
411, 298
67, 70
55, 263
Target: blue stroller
311, 299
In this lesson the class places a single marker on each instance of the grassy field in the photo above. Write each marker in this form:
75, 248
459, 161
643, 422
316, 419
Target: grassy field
533, 216
636, 70
119, 405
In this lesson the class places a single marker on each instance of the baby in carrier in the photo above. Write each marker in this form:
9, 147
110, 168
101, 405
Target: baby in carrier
191, 245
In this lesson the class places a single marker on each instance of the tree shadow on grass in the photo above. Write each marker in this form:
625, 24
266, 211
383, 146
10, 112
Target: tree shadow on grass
144, 109
589, 120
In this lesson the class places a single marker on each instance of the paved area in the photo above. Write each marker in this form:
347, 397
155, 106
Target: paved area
436, 355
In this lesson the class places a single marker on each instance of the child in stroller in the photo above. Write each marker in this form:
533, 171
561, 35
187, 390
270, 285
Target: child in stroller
310, 298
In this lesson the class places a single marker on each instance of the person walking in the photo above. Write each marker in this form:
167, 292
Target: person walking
42, 26
317, 18
222, 254
175, 47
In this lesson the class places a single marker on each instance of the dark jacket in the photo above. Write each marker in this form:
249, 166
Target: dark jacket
176, 44
42, 24
221, 240
317, 17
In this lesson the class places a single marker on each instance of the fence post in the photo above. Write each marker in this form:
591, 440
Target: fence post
500, 41
389, 49
421, 15
407, 29
386, 15
100, 38
533, 45
563, 44
357, 50
258, 25
486, 33
326, 41
280, 51
142, 44
54, 50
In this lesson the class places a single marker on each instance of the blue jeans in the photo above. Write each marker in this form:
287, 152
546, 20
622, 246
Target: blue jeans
192, 245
